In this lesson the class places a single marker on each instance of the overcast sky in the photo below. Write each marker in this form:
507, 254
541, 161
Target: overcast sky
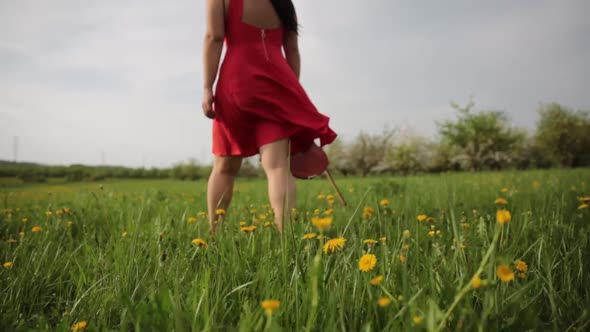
120, 81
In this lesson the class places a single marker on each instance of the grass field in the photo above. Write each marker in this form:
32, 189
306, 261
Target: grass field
121, 255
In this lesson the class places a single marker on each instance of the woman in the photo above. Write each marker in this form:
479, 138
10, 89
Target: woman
259, 105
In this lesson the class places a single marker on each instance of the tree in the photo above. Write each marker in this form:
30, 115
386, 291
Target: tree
367, 151
563, 135
338, 156
483, 139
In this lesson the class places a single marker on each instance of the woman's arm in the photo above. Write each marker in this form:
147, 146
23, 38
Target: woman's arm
291, 47
212, 47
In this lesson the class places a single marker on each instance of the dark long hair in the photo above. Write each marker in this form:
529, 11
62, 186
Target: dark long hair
286, 12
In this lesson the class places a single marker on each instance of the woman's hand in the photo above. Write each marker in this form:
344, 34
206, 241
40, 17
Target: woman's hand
207, 103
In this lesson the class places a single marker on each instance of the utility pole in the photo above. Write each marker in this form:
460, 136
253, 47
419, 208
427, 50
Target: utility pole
15, 148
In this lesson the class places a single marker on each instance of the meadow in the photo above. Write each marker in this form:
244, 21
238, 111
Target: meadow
485, 251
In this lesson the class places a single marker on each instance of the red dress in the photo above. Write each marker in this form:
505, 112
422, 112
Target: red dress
258, 98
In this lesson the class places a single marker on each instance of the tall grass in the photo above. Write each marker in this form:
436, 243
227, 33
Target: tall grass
154, 278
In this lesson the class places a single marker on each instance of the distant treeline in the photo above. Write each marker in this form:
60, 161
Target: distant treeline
475, 140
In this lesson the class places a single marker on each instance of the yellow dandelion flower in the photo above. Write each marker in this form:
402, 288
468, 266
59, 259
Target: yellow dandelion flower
69, 223
421, 217
584, 199
384, 301
321, 223
262, 217
270, 306
330, 197
48, 213
242, 223
124, 234
405, 247
431, 233
201, 214
199, 242
309, 236
67, 210
370, 241
36, 229
376, 281
321, 196
504, 190
191, 219
402, 258
329, 212
334, 245
80, 326
476, 282
59, 212
505, 273
501, 201
520, 265
316, 212
384, 202
7, 265
248, 229
407, 234
267, 224
583, 206
21, 234
220, 212
368, 212
382, 239
367, 262
521, 275
24, 219
503, 216
438, 232
417, 320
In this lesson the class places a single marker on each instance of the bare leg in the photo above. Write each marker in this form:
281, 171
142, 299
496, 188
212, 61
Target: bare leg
274, 158
221, 186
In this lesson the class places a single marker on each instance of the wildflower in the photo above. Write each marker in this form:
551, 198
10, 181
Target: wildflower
504, 190
503, 216
368, 212
501, 201
367, 262
36, 229
69, 223
329, 197
321, 196
124, 234
521, 266
377, 280
48, 213
431, 233
584, 199
309, 236
7, 265
476, 282
407, 234
405, 247
402, 258
316, 212
267, 224
80, 326
24, 219
262, 217
242, 223
417, 320
191, 220
220, 212
67, 210
270, 306
201, 214
521, 275
438, 232
421, 217
382, 239
59, 212
199, 242
21, 234
505, 273
253, 211
321, 223
370, 241
384, 202
583, 206
248, 229
329, 212
334, 245
384, 301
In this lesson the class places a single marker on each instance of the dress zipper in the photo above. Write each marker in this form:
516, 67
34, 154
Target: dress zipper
263, 35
